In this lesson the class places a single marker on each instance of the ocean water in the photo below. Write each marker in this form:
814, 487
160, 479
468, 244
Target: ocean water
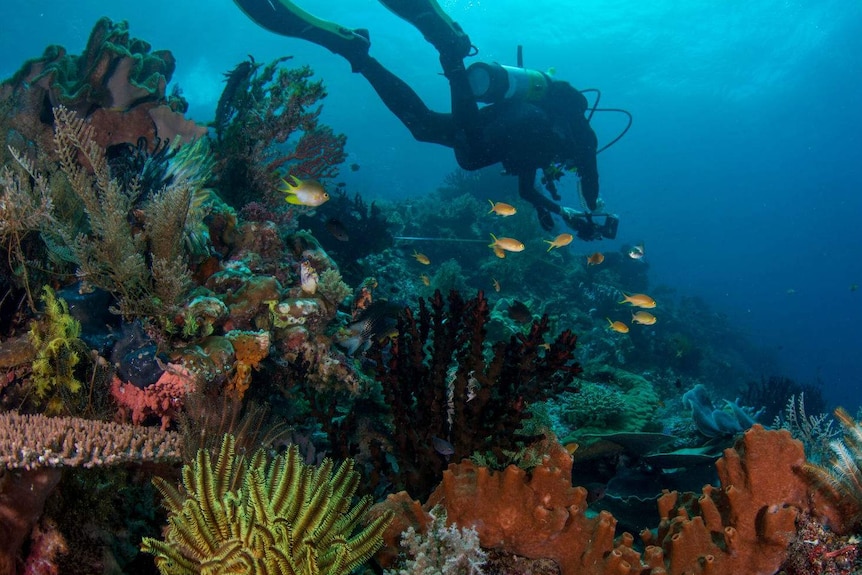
742, 172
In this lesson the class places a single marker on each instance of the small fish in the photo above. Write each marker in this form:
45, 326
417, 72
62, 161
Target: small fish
442, 446
496, 284
519, 312
308, 278
559, 241
499, 252
595, 259
425, 279
337, 229
421, 258
508, 244
643, 318
304, 193
854, 287
790, 291
545, 345
637, 252
572, 447
354, 167
638, 300
502, 209
617, 326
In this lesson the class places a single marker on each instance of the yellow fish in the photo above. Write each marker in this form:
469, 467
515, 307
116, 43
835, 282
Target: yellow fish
508, 244
502, 209
427, 281
304, 193
499, 252
638, 300
421, 258
496, 284
617, 326
643, 318
559, 241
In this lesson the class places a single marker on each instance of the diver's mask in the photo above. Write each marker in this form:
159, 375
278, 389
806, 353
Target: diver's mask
492, 83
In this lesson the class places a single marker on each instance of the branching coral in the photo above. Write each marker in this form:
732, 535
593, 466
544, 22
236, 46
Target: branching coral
267, 121
238, 514
440, 386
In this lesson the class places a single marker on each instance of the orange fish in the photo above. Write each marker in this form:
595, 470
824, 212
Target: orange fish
502, 209
421, 258
496, 284
425, 279
508, 244
617, 326
643, 318
499, 252
595, 259
559, 241
638, 300
571, 447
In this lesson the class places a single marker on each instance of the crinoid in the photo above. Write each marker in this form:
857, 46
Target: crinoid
841, 480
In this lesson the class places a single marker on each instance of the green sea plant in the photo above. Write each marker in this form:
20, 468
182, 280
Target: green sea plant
250, 515
55, 337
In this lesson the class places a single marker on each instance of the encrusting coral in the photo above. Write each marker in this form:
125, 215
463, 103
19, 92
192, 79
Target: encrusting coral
241, 514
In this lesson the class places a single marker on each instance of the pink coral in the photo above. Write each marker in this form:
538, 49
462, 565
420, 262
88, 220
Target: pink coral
164, 398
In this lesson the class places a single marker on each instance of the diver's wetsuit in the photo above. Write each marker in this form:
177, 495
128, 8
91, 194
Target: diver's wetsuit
523, 136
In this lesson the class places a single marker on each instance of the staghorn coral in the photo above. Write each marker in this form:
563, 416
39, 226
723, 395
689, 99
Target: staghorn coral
32, 441
238, 514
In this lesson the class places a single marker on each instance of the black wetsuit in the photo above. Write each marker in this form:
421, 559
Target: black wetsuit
523, 136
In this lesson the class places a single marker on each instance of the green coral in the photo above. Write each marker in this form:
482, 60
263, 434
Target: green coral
331, 287
55, 337
238, 514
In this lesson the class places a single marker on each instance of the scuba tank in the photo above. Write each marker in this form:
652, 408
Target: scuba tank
492, 83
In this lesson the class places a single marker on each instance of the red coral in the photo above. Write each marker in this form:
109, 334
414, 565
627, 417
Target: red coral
164, 398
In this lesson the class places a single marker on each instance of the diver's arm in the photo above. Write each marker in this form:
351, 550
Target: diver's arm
585, 146
527, 190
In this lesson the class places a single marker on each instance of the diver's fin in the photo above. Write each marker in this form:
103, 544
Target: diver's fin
436, 26
287, 19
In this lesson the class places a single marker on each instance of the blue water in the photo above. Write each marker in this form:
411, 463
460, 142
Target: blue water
742, 172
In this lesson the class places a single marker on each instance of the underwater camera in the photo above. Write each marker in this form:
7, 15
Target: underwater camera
587, 229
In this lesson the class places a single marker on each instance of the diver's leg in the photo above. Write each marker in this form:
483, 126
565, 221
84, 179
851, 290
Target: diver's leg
437, 27
285, 18
424, 124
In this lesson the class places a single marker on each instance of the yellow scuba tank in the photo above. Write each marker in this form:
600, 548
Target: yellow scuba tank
495, 82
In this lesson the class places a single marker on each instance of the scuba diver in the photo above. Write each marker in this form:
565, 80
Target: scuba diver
531, 122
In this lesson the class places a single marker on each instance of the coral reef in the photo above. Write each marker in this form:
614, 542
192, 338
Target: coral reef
118, 84
253, 514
